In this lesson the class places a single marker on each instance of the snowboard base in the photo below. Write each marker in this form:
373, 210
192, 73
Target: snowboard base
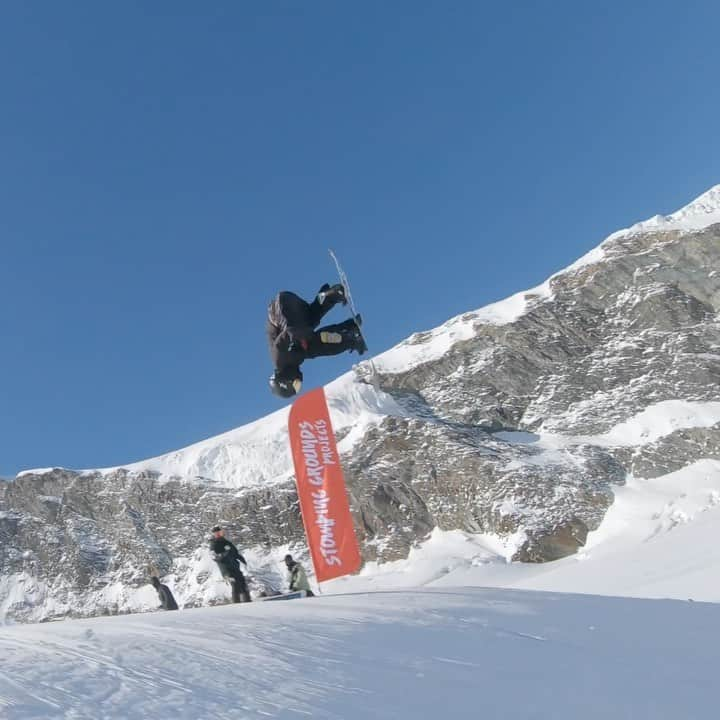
344, 281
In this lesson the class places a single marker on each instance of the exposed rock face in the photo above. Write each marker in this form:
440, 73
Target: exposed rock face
518, 429
83, 532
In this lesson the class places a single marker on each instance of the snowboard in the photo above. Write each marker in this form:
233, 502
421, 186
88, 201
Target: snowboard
286, 596
348, 294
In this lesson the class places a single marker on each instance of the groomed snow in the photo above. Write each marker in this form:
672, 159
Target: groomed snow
441, 653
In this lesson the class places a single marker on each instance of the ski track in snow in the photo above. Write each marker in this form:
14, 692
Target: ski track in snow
453, 653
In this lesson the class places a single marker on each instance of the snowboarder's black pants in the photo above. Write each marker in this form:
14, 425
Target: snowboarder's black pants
317, 311
239, 587
317, 348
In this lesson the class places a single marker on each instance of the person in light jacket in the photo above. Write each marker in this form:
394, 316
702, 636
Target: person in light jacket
297, 577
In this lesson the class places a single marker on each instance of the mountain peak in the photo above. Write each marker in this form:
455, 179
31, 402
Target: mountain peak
708, 202
696, 215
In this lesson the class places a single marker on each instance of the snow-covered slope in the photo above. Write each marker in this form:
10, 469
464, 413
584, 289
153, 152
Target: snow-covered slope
258, 454
451, 653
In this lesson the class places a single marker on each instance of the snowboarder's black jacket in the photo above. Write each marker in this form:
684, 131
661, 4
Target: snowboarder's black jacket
226, 555
291, 322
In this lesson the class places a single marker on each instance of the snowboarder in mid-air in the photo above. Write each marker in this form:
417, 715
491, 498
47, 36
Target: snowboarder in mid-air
293, 335
228, 558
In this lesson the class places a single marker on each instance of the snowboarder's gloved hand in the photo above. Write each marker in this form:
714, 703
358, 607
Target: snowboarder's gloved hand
299, 337
295, 345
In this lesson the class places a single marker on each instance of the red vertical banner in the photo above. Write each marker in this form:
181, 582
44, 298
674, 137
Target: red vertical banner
321, 488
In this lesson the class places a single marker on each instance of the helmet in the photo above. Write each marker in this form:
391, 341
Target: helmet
284, 384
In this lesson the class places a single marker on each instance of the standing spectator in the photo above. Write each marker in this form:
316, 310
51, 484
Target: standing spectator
228, 558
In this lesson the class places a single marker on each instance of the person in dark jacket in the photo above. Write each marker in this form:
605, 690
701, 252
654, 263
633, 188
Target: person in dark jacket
167, 601
228, 558
293, 335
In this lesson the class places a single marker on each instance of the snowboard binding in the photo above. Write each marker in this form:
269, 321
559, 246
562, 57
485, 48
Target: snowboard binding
332, 294
355, 336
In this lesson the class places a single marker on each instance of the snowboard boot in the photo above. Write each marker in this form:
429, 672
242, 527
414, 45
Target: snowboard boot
332, 294
354, 337
360, 347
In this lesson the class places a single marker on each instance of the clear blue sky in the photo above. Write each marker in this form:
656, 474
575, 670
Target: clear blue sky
166, 167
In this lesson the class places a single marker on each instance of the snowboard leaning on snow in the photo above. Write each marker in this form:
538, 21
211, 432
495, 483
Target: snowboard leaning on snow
296, 594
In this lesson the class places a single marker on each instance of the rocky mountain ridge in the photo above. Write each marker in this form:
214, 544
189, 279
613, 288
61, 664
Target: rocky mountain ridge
515, 421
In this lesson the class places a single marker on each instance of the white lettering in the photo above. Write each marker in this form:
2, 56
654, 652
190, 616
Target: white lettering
318, 452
